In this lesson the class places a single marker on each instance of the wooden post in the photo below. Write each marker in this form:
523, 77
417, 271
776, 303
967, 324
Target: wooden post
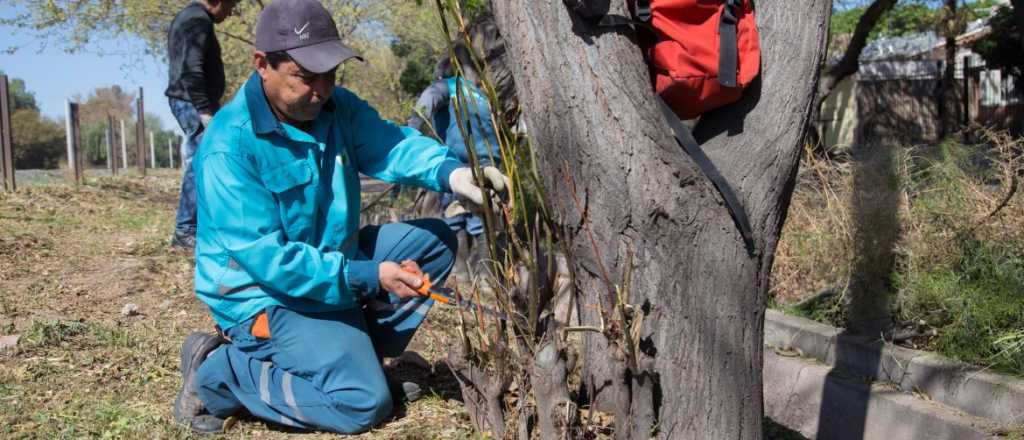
6, 145
112, 135
71, 123
124, 148
170, 153
965, 96
152, 152
140, 134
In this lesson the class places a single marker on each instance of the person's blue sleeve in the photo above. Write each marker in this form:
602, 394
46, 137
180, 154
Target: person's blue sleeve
246, 223
396, 154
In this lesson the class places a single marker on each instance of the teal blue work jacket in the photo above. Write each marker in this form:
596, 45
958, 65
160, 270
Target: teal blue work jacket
278, 208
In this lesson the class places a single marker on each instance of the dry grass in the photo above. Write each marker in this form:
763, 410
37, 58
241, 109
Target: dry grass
71, 258
959, 272
815, 252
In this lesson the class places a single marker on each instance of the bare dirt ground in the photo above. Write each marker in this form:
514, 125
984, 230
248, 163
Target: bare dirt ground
71, 259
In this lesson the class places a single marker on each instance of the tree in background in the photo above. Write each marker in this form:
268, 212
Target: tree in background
20, 97
419, 68
1002, 48
102, 102
38, 140
96, 108
850, 31
853, 27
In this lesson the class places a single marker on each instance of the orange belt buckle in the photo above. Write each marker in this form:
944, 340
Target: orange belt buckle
261, 326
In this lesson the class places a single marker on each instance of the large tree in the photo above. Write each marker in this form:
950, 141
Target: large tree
646, 226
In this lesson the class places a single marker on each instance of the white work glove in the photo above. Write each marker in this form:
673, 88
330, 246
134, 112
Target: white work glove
462, 183
205, 118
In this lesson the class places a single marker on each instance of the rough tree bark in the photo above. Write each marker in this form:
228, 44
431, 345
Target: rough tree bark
699, 297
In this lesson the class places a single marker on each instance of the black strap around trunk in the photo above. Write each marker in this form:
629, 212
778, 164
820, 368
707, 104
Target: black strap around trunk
728, 53
692, 148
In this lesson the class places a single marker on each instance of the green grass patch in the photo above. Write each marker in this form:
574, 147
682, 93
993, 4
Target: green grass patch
977, 304
55, 333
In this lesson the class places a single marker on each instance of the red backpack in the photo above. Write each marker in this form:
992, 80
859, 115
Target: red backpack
702, 53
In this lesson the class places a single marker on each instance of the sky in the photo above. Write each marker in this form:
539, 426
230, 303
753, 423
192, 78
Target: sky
54, 75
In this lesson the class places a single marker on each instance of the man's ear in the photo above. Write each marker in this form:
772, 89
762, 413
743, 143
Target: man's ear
260, 63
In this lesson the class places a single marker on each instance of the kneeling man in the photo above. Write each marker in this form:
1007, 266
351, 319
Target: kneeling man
308, 302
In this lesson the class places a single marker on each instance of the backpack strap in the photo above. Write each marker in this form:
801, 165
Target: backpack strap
728, 53
643, 10
685, 139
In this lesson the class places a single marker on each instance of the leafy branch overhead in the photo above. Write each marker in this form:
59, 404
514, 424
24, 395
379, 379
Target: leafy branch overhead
139, 28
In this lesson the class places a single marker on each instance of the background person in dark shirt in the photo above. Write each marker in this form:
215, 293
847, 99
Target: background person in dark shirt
194, 91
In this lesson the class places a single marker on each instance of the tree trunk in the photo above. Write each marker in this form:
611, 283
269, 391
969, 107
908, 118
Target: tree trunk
850, 61
948, 108
614, 172
1018, 12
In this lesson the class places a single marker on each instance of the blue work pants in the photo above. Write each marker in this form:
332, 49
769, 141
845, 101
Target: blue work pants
322, 371
192, 126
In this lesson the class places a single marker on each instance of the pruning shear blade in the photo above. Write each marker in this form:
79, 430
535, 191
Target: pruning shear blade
448, 296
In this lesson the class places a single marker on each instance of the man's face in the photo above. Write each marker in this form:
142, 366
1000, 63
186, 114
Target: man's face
221, 10
295, 94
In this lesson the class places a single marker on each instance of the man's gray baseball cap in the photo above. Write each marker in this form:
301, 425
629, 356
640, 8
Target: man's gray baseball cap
305, 30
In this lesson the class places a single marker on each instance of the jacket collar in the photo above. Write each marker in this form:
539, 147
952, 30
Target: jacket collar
201, 7
263, 119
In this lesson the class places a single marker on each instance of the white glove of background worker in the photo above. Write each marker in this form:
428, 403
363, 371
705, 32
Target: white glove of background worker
463, 185
205, 118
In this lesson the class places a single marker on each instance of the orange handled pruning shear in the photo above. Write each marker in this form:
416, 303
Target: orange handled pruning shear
447, 296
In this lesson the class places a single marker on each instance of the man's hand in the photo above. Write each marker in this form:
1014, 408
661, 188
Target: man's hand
402, 282
205, 119
462, 183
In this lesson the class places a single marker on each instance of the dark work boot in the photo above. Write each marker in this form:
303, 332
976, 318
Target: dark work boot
184, 240
188, 409
403, 392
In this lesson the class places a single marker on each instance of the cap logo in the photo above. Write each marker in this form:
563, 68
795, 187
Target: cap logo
299, 32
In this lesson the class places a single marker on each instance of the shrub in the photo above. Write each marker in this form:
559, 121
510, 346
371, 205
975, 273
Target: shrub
38, 141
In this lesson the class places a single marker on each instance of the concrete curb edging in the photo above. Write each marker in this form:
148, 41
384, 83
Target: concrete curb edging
795, 389
966, 388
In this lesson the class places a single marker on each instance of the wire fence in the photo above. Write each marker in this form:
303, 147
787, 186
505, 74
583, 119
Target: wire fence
75, 153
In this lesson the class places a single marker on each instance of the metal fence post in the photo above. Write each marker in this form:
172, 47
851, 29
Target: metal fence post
6, 145
170, 153
140, 134
71, 123
152, 152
